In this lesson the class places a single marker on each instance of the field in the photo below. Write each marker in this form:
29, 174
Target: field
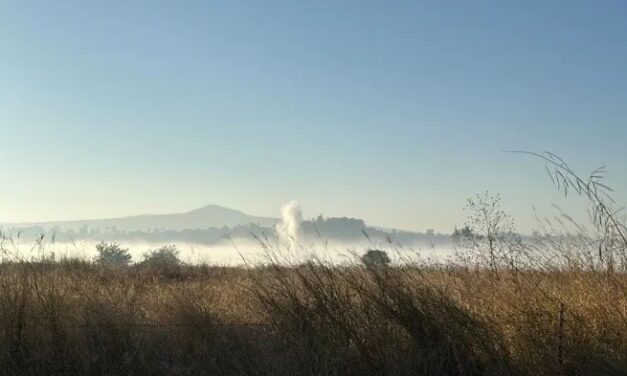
73, 317
554, 303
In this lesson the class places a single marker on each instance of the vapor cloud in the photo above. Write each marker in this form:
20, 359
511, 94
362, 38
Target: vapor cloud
289, 229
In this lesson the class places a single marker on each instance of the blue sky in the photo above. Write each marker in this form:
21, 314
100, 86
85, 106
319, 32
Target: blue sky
394, 112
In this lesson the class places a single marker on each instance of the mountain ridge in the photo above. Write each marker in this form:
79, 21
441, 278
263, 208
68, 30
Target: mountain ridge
203, 217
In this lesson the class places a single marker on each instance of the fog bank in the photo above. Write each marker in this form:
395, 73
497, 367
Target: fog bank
235, 252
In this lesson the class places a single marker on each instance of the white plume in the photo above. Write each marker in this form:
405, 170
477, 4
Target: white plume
289, 229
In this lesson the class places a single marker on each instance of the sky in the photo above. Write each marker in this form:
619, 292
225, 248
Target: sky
394, 112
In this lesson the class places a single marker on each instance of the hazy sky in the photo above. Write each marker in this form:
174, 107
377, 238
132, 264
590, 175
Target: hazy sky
394, 112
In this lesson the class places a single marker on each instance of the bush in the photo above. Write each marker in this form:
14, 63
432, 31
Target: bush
375, 257
166, 255
112, 254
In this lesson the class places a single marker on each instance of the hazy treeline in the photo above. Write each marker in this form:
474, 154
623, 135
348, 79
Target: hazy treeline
320, 228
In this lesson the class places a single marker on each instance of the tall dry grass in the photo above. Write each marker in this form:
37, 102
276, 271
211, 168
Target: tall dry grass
310, 319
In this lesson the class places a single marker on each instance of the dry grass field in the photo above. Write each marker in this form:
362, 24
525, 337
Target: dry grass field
72, 317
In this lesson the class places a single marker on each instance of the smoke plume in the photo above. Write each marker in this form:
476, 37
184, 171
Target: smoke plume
289, 229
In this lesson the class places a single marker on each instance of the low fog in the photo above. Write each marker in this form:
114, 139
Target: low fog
233, 252
291, 240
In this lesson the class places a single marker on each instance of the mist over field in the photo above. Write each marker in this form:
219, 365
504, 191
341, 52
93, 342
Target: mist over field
219, 236
237, 251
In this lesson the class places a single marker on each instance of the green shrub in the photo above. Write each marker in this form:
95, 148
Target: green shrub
166, 255
112, 254
375, 257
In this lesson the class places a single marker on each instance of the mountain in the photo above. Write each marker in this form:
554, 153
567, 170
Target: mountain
212, 224
207, 216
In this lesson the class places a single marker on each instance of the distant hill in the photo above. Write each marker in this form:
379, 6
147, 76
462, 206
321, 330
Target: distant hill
210, 225
208, 216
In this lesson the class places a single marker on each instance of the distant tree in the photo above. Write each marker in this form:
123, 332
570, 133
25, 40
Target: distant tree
463, 234
375, 257
489, 229
166, 255
112, 254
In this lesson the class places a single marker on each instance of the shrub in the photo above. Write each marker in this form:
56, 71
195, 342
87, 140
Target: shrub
112, 254
375, 257
166, 255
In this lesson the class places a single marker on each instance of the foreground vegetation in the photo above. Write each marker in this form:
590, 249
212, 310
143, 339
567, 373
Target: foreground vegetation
78, 318
505, 305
